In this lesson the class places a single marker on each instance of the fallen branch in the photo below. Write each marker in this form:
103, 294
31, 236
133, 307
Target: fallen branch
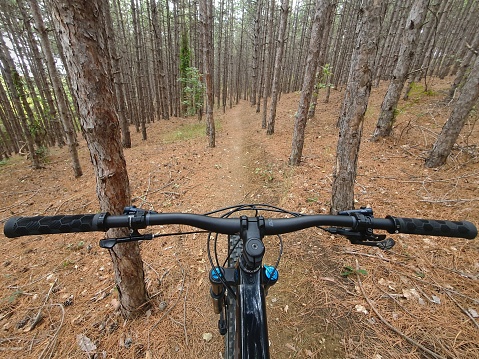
49, 350
18, 204
38, 318
466, 312
459, 200
65, 201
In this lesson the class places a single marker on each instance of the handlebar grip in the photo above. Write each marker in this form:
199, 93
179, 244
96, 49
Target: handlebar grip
432, 227
25, 226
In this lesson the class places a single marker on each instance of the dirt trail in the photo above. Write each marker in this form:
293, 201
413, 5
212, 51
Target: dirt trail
230, 181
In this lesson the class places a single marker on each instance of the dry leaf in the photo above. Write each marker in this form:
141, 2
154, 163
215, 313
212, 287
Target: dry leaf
308, 353
290, 346
473, 313
328, 279
361, 308
85, 344
207, 337
115, 304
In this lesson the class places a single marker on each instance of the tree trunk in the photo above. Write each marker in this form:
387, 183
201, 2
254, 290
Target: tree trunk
118, 80
141, 105
12, 79
466, 61
81, 25
58, 89
277, 66
269, 52
206, 16
406, 54
354, 107
159, 56
55, 133
453, 126
323, 70
256, 51
308, 84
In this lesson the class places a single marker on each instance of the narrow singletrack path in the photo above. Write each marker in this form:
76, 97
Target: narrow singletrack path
238, 148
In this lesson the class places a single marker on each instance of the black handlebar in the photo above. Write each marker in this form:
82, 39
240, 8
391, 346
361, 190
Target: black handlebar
24, 226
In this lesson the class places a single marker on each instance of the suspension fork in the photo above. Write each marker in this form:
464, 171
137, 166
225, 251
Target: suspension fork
251, 280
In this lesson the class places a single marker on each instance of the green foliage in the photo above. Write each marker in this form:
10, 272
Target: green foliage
76, 247
67, 263
349, 270
265, 173
420, 274
186, 132
193, 90
185, 55
42, 153
324, 77
12, 297
417, 91
396, 112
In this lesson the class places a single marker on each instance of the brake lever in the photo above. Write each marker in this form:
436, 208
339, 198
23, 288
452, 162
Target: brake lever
364, 239
109, 243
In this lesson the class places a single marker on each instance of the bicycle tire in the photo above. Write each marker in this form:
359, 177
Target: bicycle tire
235, 247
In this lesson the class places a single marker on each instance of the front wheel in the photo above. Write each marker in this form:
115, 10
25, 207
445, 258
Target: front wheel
235, 247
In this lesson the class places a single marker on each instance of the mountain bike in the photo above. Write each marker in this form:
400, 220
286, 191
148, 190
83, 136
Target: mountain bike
240, 284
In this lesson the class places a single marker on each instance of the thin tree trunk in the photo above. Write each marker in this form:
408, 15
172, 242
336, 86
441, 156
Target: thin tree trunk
466, 61
406, 54
9, 119
56, 134
161, 68
206, 16
58, 90
308, 84
256, 51
118, 78
277, 66
141, 104
354, 107
12, 79
453, 126
81, 25
267, 68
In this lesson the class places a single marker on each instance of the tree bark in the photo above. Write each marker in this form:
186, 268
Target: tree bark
81, 25
354, 107
141, 105
453, 126
277, 67
206, 16
406, 54
465, 64
308, 84
118, 80
163, 96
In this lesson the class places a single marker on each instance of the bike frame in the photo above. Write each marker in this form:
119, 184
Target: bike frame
251, 323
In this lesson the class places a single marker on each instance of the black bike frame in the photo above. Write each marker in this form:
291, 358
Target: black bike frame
251, 324
251, 339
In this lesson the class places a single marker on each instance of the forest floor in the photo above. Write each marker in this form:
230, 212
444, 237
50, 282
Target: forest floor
424, 293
